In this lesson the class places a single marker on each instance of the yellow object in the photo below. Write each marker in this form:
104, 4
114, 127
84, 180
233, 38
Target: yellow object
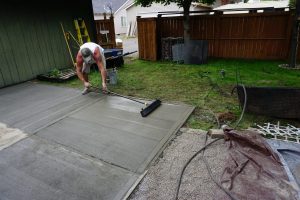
82, 32
74, 39
68, 46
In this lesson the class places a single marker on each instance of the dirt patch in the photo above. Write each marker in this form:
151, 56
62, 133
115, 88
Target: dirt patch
226, 117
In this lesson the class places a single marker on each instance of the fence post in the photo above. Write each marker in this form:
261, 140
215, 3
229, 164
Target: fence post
112, 30
294, 36
289, 36
216, 51
158, 37
139, 28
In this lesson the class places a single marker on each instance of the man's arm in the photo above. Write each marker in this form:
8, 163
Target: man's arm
79, 65
101, 67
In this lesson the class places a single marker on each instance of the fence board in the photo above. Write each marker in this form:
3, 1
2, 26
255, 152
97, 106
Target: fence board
250, 36
147, 39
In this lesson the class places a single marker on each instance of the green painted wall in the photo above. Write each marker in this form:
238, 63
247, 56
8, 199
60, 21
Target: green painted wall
31, 38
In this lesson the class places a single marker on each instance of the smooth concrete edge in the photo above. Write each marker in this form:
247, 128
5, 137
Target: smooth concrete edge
133, 186
66, 115
22, 84
84, 156
126, 187
133, 181
164, 142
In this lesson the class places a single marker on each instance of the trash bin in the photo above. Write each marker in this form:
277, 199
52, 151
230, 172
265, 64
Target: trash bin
112, 76
166, 47
196, 52
117, 60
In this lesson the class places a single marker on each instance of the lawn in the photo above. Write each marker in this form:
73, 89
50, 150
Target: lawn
202, 86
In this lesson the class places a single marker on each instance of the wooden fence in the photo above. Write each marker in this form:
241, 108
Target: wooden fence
106, 32
248, 36
147, 42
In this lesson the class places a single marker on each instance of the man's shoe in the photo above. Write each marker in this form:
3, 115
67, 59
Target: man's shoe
85, 91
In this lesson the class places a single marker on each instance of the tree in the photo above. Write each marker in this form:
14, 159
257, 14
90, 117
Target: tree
109, 8
185, 4
295, 33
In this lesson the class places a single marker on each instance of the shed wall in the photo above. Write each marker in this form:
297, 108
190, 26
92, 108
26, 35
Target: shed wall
31, 38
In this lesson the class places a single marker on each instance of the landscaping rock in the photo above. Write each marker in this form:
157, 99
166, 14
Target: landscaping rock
161, 180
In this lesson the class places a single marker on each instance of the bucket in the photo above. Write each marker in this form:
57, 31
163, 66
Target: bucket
112, 74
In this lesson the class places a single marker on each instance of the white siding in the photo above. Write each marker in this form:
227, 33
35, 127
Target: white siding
98, 17
119, 29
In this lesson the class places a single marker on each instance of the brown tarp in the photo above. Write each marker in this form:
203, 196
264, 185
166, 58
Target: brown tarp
254, 170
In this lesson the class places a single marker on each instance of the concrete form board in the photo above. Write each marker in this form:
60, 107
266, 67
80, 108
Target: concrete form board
35, 169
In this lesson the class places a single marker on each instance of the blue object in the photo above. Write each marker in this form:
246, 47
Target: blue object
117, 58
113, 52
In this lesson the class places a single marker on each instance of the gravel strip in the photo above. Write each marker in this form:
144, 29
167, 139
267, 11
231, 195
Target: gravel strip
161, 180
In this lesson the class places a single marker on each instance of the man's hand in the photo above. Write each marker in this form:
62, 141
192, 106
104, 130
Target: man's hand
87, 84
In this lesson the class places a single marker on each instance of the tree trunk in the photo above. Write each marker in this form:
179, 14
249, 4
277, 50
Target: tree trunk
186, 23
186, 30
294, 44
294, 39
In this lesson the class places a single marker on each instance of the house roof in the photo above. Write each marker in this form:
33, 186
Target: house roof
130, 5
98, 5
253, 4
126, 5
201, 5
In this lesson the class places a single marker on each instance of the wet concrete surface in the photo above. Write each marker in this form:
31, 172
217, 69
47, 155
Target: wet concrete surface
31, 107
78, 147
37, 169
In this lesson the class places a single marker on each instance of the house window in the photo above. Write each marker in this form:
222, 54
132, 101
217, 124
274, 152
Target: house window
123, 21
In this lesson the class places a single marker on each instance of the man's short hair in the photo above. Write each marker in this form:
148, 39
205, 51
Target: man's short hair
87, 55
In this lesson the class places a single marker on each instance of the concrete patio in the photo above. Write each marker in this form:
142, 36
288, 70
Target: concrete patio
70, 146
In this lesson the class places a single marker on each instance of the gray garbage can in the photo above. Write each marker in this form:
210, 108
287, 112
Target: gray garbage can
112, 75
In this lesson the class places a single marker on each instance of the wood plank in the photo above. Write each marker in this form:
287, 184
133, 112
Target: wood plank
236, 35
31, 43
5, 74
10, 68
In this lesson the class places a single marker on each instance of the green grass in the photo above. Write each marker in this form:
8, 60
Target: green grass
201, 86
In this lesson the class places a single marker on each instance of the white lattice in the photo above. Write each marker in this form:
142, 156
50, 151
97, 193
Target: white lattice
288, 133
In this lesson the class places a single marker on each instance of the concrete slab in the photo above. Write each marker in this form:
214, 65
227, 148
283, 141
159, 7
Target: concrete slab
78, 147
113, 130
36, 169
105, 143
31, 107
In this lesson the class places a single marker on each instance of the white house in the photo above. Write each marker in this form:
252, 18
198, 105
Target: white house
129, 11
252, 4
125, 11
121, 18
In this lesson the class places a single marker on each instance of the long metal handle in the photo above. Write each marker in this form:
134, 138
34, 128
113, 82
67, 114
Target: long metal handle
126, 97
116, 94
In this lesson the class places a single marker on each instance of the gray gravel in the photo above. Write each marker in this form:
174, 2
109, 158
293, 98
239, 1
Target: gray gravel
161, 180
